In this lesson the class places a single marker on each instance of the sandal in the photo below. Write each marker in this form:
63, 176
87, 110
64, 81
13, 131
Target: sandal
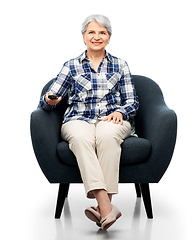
93, 215
111, 218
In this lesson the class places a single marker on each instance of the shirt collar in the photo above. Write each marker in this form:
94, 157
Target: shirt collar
84, 56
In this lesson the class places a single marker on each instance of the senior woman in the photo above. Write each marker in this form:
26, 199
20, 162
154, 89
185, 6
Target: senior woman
102, 103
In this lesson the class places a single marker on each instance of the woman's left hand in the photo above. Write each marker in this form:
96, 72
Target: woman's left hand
116, 117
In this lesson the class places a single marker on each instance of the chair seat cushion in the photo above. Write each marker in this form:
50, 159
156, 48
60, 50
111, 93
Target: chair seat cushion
134, 150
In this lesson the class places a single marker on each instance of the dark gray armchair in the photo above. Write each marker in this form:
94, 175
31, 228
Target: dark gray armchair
144, 159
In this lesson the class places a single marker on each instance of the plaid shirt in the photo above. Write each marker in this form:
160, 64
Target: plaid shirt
94, 95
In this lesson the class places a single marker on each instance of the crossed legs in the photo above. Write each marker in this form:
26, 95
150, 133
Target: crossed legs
97, 150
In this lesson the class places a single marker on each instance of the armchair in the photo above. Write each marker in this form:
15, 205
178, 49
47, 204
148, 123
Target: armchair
144, 159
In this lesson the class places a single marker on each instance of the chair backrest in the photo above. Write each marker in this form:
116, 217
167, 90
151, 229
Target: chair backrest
147, 91
46, 87
150, 97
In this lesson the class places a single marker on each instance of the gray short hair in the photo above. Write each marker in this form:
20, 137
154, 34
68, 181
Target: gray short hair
102, 20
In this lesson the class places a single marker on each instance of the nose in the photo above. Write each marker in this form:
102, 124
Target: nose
97, 37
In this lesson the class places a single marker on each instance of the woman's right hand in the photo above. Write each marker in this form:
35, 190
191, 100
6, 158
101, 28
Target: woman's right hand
52, 102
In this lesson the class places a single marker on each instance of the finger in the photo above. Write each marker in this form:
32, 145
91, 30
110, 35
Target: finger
57, 100
109, 118
49, 93
105, 119
117, 120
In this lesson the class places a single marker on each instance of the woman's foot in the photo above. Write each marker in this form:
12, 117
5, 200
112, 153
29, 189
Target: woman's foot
111, 218
93, 214
105, 209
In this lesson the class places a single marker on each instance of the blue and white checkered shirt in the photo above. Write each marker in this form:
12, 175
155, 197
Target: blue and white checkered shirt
94, 95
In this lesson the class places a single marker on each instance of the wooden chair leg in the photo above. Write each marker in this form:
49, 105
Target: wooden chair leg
138, 190
147, 199
62, 194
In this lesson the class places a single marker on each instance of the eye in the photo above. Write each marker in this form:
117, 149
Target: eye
91, 32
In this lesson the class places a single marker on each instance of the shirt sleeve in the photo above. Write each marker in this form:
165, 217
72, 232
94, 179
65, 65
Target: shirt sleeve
59, 87
129, 98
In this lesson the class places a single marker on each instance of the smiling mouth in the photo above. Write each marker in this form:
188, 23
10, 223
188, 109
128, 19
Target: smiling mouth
96, 43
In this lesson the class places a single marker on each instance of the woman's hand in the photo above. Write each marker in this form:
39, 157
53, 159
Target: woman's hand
52, 102
116, 117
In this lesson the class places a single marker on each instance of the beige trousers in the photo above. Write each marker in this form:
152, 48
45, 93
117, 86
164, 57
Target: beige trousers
97, 150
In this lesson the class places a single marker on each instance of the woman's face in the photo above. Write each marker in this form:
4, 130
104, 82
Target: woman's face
96, 37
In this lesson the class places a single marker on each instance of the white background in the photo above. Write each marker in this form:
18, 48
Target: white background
155, 38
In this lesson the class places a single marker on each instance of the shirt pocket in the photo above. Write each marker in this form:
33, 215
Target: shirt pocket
82, 83
113, 80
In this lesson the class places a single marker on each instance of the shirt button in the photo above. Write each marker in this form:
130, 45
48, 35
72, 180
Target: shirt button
98, 74
99, 86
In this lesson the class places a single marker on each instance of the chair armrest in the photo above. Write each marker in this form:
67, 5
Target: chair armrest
46, 134
159, 126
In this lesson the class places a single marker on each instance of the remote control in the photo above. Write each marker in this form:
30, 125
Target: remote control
52, 97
